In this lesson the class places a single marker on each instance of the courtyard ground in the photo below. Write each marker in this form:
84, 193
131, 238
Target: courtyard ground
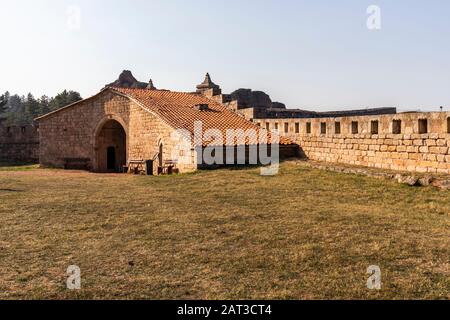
225, 234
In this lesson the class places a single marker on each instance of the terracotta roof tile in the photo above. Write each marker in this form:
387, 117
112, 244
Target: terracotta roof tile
180, 110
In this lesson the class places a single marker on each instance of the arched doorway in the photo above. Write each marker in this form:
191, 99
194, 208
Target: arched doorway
111, 147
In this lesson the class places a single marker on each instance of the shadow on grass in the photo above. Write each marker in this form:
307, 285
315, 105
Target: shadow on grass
10, 190
17, 166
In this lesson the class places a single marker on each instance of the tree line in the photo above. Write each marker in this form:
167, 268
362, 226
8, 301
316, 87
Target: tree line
22, 110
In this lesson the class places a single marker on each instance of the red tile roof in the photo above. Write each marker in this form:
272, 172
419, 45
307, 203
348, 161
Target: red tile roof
180, 110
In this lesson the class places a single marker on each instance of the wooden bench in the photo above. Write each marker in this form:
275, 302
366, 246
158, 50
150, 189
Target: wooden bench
135, 167
170, 167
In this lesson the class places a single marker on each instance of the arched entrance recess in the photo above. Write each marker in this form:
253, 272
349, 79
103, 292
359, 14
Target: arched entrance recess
110, 147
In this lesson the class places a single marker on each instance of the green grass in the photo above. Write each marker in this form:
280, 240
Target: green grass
225, 234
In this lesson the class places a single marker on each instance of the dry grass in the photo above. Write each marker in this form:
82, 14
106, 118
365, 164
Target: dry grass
226, 234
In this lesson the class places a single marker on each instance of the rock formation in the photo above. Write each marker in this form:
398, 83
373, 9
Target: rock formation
255, 99
127, 80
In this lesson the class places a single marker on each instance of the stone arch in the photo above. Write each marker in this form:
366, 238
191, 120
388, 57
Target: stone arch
110, 145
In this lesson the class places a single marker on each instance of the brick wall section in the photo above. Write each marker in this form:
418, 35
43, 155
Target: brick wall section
409, 150
19, 143
71, 133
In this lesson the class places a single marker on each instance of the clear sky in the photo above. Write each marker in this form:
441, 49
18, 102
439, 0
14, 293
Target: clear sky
313, 54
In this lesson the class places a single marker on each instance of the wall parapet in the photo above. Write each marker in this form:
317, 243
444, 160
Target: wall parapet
406, 141
19, 143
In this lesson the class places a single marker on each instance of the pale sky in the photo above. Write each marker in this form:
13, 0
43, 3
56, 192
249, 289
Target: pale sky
313, 54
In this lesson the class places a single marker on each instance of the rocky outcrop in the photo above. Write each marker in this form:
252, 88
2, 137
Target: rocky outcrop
247, 98
420, 180
127, 80
278, 105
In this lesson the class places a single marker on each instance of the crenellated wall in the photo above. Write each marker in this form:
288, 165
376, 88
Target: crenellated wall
406, 141
19, 143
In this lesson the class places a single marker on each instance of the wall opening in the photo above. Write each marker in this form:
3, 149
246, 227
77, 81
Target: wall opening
276, 126
355, 127
337, 127
323, 128
111, 158
397, 126
297, 127
268, 126
423, 126
374, 127
111, 152
286, 127
448, 125
308, 127
161, 155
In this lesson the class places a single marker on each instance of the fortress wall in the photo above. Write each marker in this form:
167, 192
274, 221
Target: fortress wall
407, 141
19, 143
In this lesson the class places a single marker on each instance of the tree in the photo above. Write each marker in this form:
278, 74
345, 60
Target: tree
64, 99
31, 108
23, 110
44, 105
3, 103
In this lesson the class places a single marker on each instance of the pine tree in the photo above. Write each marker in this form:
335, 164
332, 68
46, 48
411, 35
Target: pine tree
44, 105
3, 102
31, 109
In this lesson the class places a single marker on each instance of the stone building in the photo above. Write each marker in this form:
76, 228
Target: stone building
19, 143
118, 125
135, 121
379, 138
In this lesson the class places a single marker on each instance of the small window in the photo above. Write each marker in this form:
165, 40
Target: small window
355, 127
323, 128
448, 125
267, 126
286, 127
308, 127
8, 129
374, 127
276, 126
23, 129
397, 126
297, 127
423, 126
337, 128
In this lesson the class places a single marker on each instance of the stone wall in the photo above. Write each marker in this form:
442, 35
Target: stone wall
19, 143
408, 141
72, 133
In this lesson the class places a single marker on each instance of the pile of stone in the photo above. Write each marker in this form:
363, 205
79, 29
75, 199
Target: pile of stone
413, 180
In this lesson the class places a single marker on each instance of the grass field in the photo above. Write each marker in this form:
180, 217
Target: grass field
225, 234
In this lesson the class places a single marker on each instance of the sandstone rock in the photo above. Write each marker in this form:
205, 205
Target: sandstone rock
278, 105
425, 181
251, 99
409, 180
441, 184
127, 80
